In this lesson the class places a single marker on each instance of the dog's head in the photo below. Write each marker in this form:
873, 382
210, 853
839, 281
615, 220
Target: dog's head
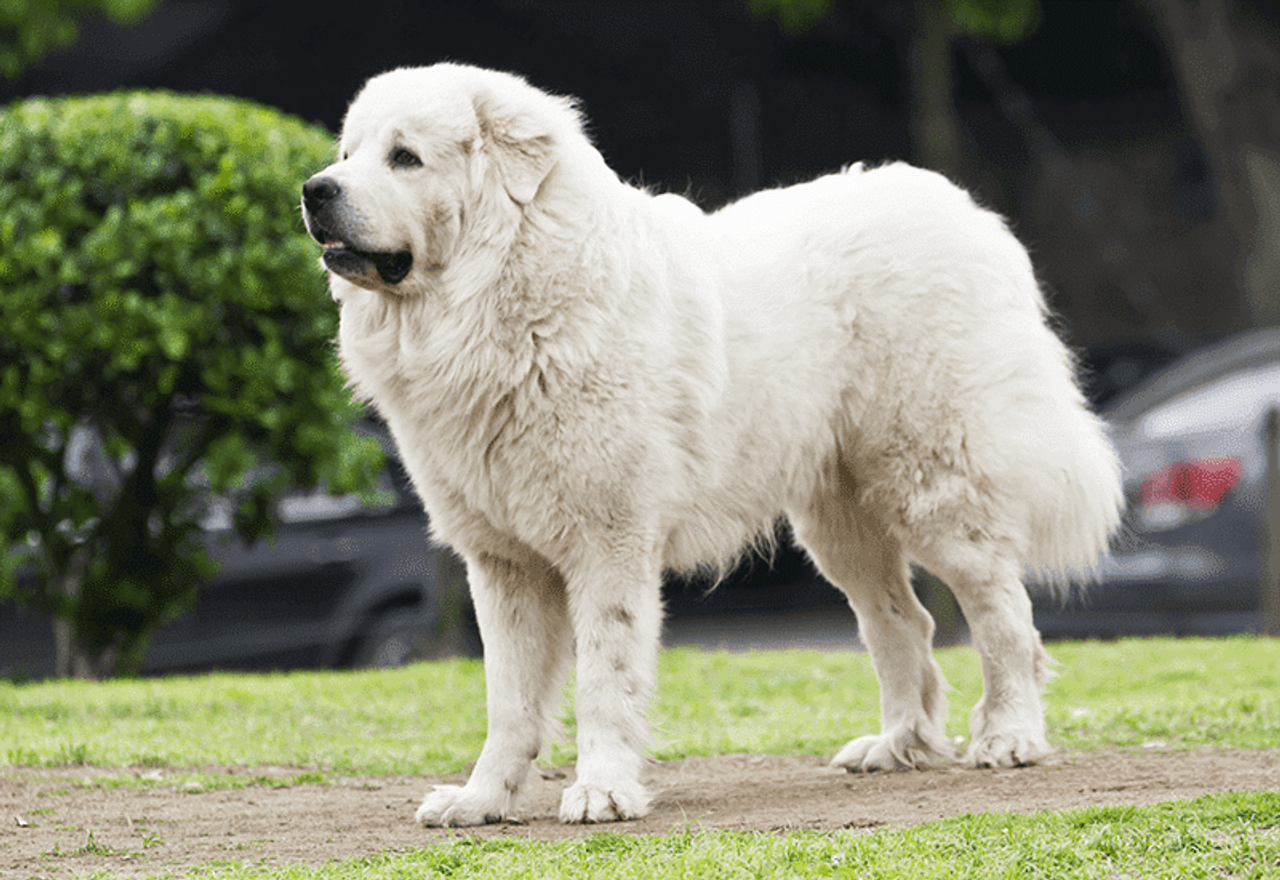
432, 162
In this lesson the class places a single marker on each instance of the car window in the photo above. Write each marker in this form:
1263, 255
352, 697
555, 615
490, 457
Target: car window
309, 506
1234, 403
317, 504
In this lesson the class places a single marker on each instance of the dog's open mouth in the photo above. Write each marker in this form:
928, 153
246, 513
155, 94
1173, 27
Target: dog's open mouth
391, 266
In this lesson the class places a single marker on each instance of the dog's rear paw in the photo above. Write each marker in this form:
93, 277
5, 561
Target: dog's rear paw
583, 802
455, 806
1007, 750
901, 749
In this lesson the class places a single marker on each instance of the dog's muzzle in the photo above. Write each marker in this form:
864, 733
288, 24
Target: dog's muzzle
323, 210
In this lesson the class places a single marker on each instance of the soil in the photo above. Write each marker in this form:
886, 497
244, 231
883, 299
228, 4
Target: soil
53, 824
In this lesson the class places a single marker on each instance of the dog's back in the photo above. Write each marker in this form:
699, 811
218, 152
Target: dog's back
882, 316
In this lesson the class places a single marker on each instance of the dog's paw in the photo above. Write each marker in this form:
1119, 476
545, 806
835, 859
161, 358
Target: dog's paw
454, 806
1007, 750
583, 802
901, 749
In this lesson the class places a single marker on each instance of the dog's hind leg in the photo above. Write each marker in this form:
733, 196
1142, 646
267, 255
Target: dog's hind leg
524, 625
858, 555
1007, 724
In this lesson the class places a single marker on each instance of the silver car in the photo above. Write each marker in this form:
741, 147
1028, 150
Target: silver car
1192, 444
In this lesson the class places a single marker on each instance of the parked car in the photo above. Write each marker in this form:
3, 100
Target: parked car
1114, 368
1191, 442
343, 583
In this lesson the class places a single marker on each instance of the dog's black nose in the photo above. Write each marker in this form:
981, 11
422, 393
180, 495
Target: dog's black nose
317, 191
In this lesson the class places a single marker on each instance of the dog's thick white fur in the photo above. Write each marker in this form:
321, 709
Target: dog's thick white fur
589, 384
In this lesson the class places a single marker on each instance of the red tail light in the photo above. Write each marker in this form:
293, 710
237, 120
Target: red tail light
1186, 490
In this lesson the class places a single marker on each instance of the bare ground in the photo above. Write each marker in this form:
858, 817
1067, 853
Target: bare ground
56, 825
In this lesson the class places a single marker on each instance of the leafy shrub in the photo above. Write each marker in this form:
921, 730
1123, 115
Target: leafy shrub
164, 330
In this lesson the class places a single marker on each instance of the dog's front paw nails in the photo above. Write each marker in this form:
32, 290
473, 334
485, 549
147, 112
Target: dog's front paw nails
1007, 750
901, 749
868, 754
583, 802
454, 806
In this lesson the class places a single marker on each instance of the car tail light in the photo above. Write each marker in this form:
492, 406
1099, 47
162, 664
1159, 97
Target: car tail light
1185, 491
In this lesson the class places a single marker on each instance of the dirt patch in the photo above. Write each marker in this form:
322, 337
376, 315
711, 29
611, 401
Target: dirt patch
54, 825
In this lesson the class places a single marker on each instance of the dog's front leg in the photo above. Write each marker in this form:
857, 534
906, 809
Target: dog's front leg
521, 609
616, 607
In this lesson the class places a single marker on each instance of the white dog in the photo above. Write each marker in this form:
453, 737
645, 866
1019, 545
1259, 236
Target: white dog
589, 384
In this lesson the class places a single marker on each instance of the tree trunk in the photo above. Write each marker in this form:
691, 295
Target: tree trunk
935, 129
62, 648
1226, 60
67, 587
935, 144
745, 139
70, 659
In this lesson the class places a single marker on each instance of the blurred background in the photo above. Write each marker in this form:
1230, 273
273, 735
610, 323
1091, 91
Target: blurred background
1133, 145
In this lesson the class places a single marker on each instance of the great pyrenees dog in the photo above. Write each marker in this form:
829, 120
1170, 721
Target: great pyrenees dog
590, 384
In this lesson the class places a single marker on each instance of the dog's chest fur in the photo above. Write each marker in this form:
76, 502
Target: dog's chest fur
490, 431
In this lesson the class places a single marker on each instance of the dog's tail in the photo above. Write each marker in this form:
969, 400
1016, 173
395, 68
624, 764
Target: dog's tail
1077, 505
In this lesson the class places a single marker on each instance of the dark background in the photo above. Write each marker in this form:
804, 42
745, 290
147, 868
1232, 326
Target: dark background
1134, 145
1078, 132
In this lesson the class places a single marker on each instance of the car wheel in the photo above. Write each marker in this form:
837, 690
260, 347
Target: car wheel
394, 639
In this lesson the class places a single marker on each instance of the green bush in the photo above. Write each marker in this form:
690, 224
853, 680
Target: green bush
164, 330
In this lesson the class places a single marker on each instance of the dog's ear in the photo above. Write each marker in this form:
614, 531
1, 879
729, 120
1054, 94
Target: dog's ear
520, 143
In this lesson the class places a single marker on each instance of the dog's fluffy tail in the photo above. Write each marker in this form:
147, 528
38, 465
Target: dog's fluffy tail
1077, 506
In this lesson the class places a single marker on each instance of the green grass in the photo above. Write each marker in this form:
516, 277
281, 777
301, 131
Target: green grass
364, 722
418, 720
1182, 693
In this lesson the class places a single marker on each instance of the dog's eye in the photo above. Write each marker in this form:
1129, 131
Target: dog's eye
402, 157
